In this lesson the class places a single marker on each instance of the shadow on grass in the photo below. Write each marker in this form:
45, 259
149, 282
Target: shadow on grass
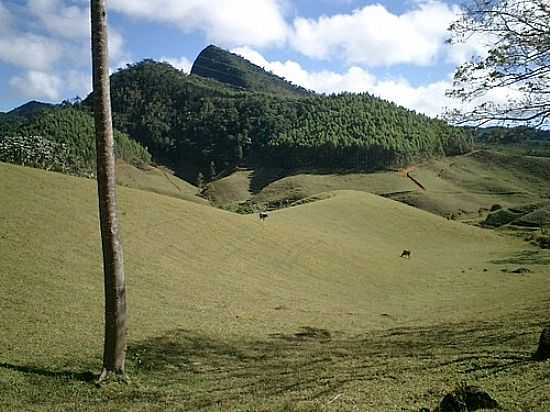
321, 369
65, 375
526, 257
312, 365
262, 177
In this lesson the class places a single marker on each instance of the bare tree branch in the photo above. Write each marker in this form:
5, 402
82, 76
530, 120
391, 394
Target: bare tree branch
518, 60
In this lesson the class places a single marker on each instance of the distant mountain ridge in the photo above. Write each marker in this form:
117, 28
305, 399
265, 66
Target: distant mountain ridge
29, 109
237, 114
229, 68
202, 126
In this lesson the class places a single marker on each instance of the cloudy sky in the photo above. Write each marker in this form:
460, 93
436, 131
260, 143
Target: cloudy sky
393, 49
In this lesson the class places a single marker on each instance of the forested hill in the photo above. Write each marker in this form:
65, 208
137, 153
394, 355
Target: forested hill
202, 127
60, 138
506, 135
29, 109
219, 64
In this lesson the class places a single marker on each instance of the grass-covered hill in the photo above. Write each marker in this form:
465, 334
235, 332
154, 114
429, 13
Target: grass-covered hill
60, 138
229, 68
460, 187
312, 309
200, 125
157, 179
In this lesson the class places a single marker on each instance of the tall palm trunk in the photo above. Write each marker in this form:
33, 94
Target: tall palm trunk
114, 352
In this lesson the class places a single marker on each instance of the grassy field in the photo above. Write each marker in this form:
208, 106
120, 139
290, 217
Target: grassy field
158, 180
462, 186
310, 310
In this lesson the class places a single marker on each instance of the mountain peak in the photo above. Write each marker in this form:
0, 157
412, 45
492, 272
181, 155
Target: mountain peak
221, 65
29, 109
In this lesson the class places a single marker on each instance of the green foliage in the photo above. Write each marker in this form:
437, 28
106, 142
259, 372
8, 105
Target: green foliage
72, 129
36, 151
511, 135
194, 123
10, 124
29, 109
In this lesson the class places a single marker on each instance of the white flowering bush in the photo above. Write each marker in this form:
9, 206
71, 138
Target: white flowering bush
39, 152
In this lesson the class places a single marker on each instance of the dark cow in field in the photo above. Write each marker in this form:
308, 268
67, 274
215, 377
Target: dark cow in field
406, 254
263, 216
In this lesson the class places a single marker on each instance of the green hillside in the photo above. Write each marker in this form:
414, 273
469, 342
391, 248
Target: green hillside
202, 126
29, 109
63, 139
462, 187
511, 135
157, 180
230, 313
229, 68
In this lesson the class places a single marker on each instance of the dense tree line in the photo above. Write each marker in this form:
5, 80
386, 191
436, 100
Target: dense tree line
201, 125
510, 135
73, 128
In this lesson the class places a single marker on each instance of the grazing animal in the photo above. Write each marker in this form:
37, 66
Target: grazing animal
263, 216
406, 253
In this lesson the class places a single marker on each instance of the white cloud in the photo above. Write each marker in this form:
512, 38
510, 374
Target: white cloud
72, 23
375, 37
5, 18
355, 79
69, 21
29, 50
475, 45
53, 55
180, 63
252, 56
117, 44
429, 99
78, 83
236, 22
37, 85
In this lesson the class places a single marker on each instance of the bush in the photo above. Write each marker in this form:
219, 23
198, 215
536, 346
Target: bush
37, 151
501, 217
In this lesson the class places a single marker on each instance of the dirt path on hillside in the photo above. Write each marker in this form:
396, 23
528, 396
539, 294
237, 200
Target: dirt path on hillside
407, 173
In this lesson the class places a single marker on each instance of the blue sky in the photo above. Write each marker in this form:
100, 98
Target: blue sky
393, 49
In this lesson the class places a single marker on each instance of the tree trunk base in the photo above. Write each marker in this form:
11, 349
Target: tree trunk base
543, 351
108, 376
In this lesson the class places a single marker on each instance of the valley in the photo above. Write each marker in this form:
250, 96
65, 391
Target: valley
284, 250
235, 299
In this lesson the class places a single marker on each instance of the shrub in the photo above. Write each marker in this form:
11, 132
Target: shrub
501, 217
37, 151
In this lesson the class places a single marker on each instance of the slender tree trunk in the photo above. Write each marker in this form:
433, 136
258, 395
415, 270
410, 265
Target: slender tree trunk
114, 353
